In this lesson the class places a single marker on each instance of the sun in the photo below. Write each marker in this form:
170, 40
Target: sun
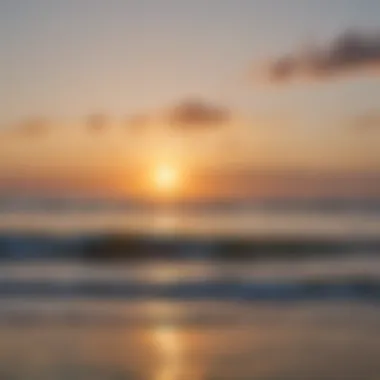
166, 178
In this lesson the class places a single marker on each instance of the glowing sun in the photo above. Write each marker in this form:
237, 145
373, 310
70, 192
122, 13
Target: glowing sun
166, 178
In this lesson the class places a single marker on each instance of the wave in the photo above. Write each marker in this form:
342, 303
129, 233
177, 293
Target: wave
354, 288
108, 247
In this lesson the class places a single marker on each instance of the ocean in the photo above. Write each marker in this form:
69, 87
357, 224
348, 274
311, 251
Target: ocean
235, 290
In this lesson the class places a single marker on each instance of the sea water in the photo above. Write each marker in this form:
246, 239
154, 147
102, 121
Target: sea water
299, 317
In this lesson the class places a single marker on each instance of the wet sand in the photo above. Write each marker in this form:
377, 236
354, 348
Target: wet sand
258, 341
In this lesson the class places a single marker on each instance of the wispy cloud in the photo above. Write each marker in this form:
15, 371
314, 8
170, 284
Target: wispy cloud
352, 52
33, 127
195, 113
366, 122
97, 122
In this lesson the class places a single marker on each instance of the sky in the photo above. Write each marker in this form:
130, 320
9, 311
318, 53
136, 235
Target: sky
105, 89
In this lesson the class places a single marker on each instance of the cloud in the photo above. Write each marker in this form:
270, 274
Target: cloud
352, 52
195, 113
97, 122
34, 127
366, 122
185, 115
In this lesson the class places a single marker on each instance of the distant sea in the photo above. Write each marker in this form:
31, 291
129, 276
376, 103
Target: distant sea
282, 217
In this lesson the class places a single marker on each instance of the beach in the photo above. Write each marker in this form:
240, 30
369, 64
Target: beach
268, 341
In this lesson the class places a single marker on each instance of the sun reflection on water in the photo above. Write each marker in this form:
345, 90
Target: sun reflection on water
168, 342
